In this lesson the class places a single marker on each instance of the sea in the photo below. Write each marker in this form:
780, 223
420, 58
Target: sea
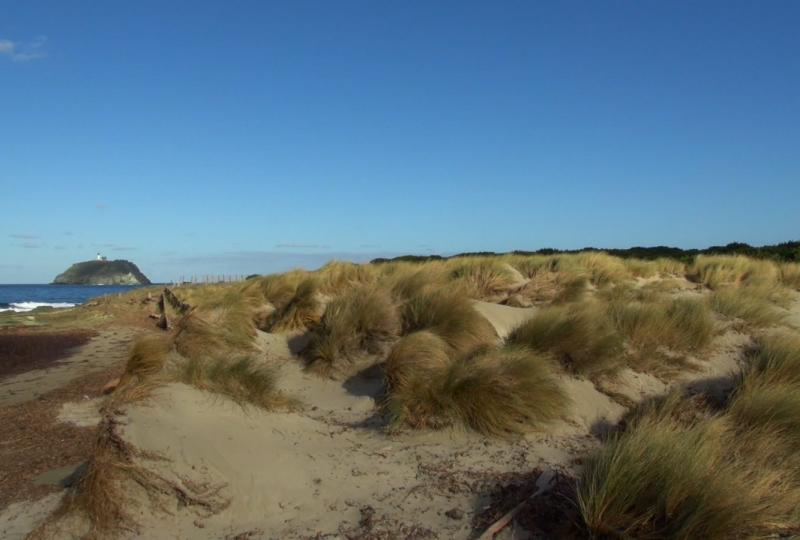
22, 298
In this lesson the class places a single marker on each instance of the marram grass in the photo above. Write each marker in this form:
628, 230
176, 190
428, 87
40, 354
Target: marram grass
494, 391
363, 320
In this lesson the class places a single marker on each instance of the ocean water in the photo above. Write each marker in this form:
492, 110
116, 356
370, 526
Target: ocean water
23, 298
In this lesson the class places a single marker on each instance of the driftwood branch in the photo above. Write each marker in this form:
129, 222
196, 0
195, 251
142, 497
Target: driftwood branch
162, 323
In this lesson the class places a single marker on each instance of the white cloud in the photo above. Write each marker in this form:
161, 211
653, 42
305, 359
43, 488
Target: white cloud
301, 246
23, 52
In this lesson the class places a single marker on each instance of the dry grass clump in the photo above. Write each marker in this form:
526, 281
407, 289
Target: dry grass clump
363, 320
531, 265
406, 280
98, 492
242, 379
147, 357
602, 268
715, 271
678, 324
667, 477
790, 275
338, 276
748, 303
495, 391
555, 287
485, 279
414, 356
761, 404
450, 315
301, 311
641, 268
777, 358
276, 289
215, 335
582, 336
670, 267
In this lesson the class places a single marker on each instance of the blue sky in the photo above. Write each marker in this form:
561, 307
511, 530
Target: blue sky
238, 137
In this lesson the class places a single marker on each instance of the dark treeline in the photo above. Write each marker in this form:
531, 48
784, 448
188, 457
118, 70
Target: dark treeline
786, 251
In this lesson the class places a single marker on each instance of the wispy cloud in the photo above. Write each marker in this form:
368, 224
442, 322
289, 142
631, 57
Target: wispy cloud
21, 236
114, 247
267, 258
30, 245
19, 51
101, 206
301, 246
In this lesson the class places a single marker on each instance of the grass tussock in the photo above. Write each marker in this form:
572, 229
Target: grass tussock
275, 289
555, 287
748, 303
363, 320
776, 359
761, 404
337, 277
243, 380
531, 265
214, 335
484, 279
641, 268
715, 271
147, 357
416, 355
450, 315
495, 391
581, 336
678, 324
670, 267
602, 268
790, 275
406, 280
303, 310
669, 478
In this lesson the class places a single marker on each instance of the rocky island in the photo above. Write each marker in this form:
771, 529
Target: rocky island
102, 272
